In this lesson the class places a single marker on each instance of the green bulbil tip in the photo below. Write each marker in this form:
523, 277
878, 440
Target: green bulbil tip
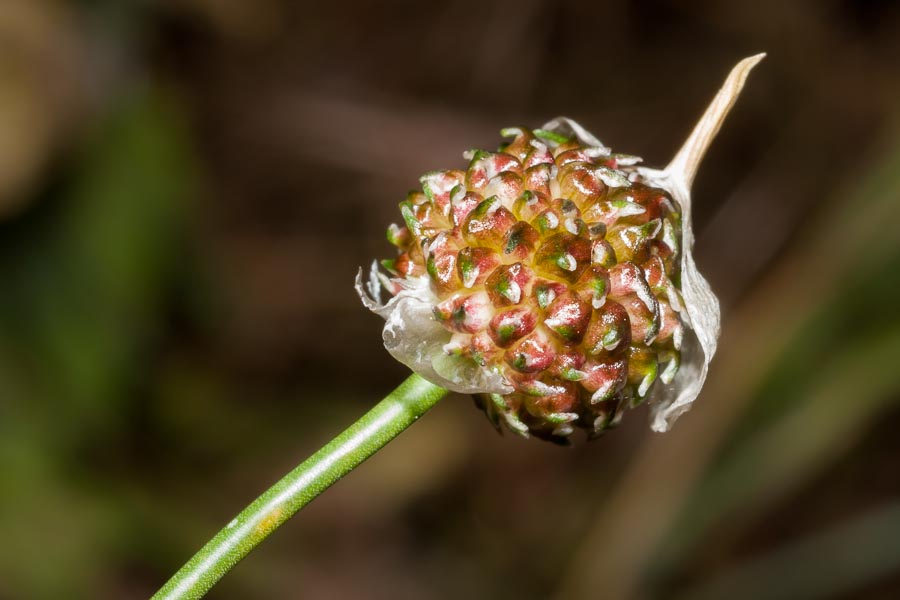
478, 155
501, 408
506, 332
430, 267
520, 361
409, 218
550, 136
425, 180
484, 206
558, 418
510, 132
390, 265
567, 332
544, 297
612, 338
571, 374
466, 266
515, 239
546, 221
428, 191
506, 290
396, 235
649, 377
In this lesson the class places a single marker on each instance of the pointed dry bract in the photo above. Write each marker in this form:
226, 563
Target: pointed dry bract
702, 305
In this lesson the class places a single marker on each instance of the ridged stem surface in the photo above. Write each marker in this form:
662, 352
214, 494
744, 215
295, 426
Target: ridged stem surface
413, 398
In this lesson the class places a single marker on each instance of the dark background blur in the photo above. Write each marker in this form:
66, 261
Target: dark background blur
187, 188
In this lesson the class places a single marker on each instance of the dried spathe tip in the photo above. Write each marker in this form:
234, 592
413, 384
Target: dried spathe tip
685, 164
702, 306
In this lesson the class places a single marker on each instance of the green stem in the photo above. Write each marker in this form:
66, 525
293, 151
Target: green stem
412, 399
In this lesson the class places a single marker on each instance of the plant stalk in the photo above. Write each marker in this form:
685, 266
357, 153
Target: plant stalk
412, 399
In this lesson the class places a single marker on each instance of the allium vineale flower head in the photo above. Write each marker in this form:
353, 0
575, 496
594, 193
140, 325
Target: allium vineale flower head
553, 280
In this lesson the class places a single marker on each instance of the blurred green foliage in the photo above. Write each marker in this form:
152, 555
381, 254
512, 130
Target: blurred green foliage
84, 277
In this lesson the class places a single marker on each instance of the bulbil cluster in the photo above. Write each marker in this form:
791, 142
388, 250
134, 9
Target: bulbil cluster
555, 265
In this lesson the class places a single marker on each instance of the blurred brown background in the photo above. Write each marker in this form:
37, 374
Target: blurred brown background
187, 188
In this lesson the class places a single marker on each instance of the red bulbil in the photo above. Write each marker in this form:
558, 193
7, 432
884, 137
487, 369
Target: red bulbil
481, 342
501, 161
482, 348
626, 279
539, 155
658, 248
616, 209
609, 329
509, 284
488, 223
547, 222
568, 364
602, 254
667, 244
464, 314
643, 368
461, 204
474, 265
596, 231
670, 327
580, 184
530, 204
657, 202
537, 179
520, 241
511, 325
593, 285
416, 198
574, 225
563, 256
558, 397
566, 208
655, 274
429, 220
628, 286
546, 291
441, 262
520, 145
506, 186
531, 354
570, 144
437, 186
568, 317
612, 162
633, 243
407, 267
645, 320
416, 254
477, 346
603, 379
487, 165
570, 156
525, 146
398, 236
